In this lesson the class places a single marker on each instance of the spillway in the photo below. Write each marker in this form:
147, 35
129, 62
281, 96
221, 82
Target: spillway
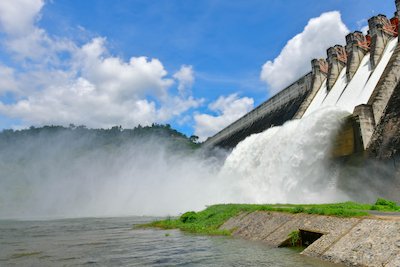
349, 94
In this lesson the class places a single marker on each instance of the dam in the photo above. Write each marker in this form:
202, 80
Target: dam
361, 77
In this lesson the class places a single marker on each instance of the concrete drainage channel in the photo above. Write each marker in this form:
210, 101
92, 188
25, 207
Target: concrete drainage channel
301, 238
369, 241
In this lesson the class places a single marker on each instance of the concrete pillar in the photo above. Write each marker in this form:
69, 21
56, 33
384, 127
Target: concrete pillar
379, 36
356, 48
337, 60
367, 122
319, 73
397, 7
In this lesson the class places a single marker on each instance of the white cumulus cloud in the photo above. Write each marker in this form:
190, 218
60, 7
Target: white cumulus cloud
228, 109
17, 17
88, 86
294, 60
136, 78
8, 82
185, 77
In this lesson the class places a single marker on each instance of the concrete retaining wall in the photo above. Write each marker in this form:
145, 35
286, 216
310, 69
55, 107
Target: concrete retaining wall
349, 241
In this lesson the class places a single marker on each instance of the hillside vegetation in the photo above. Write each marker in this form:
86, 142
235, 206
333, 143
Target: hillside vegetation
89, 138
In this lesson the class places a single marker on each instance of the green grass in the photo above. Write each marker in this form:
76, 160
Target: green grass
209, 220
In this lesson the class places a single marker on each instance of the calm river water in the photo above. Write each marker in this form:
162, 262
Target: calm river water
113, 242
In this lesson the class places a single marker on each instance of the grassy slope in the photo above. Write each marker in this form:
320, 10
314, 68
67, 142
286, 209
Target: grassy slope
209, 220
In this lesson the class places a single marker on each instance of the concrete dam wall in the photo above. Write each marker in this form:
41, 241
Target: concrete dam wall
361, 77
273, 112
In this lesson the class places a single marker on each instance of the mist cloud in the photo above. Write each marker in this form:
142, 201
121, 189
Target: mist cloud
74, 174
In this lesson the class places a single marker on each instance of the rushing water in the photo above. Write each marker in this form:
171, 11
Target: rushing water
289, 163
113, 242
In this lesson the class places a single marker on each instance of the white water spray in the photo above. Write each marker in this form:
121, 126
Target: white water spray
288, 164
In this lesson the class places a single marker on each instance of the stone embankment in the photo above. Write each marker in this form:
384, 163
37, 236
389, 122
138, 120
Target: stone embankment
367, 241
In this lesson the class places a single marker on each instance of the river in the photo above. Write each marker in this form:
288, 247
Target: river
115, 242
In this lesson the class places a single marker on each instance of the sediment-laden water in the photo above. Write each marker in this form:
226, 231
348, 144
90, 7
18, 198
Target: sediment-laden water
113, 242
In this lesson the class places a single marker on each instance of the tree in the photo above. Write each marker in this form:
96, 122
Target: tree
194, 138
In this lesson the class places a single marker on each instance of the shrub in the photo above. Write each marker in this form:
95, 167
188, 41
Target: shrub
374, 207
385, 202
315, 210
299, 209
295, 239
188, 217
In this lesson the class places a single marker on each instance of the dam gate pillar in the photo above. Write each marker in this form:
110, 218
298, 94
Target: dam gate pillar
357, 46
337, 60
381, 30
319, 73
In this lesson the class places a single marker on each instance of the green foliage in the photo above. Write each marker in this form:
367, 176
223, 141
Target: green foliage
382, 204
188, 217
298, 209
295, 238
385, 202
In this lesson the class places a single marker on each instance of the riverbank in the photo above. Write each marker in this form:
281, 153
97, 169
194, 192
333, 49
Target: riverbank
356, 241
348, 233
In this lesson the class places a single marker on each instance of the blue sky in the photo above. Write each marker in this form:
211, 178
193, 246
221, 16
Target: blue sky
69, 61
